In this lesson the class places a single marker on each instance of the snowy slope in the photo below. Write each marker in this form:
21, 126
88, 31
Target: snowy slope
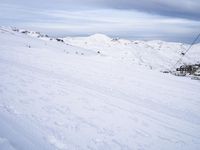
53, 98
152, 54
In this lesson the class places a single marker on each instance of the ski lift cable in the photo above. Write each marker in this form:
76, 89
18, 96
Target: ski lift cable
194, 41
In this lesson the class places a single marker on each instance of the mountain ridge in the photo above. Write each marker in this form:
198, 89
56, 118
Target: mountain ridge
156, 54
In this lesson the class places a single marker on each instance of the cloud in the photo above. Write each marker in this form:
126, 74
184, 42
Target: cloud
174, 8
126, 19
116, 23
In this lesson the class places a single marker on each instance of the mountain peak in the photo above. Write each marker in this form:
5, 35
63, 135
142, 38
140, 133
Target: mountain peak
100, 37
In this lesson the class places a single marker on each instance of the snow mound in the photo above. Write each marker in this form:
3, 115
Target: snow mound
99, 37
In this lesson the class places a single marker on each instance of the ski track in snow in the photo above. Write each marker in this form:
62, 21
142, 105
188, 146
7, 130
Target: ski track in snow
53, 100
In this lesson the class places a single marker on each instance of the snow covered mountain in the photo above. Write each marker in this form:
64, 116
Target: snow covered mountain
63, 95
157, 55
153, 54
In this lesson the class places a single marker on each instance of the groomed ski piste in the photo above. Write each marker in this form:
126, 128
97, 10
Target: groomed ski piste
68, 96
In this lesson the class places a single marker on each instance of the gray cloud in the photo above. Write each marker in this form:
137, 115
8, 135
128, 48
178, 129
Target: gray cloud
189, 9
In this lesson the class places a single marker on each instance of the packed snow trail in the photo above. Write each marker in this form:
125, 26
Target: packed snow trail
50, 99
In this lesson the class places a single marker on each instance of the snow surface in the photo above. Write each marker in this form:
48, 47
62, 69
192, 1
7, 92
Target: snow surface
57, 96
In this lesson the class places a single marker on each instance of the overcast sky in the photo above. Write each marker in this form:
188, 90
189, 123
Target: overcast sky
170, 20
